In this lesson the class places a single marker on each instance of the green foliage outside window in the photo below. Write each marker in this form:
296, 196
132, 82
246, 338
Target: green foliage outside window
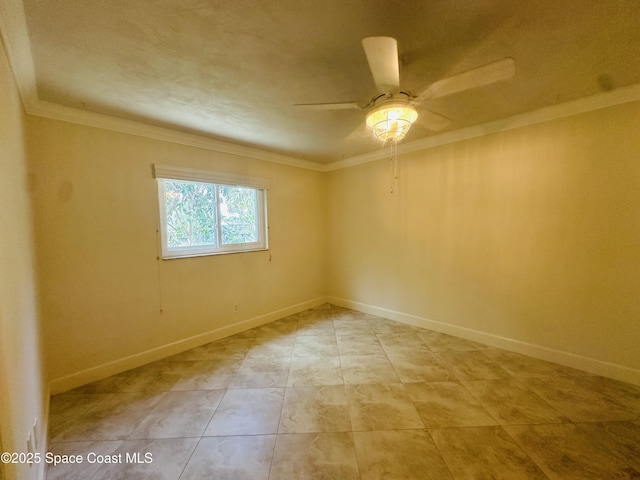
191, 214
238, 212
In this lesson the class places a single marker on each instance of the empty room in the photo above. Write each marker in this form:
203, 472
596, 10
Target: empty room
319, 240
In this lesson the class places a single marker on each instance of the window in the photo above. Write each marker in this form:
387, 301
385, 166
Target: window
205, 213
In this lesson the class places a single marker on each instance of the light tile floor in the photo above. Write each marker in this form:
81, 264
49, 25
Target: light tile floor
335, 394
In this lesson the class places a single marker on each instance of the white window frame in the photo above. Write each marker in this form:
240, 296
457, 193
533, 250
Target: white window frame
166, 172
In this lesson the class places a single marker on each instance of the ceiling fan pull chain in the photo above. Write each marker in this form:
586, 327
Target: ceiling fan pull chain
394, 146
391, 168
394, 162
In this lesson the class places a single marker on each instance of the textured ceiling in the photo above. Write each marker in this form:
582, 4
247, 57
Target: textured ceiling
234, 70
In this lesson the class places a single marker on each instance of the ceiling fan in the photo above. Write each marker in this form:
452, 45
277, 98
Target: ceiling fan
393, 108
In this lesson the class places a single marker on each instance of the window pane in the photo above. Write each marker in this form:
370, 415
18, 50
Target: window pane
238, 214
191, 214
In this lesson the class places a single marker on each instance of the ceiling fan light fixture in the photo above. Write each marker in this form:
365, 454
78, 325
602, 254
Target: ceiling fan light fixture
392, 121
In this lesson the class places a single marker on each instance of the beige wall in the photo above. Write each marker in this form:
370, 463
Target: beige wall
22, 391
102, 287
531, 234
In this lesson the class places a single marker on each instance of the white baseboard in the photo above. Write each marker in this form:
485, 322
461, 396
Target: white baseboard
587, 364
77, 379
591, 365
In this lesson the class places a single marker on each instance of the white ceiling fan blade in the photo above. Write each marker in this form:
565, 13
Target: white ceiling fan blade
328, 106
382, 55
433, 121
477, 77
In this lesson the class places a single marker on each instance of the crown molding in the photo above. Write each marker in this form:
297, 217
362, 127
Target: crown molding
546, 114
15, 37
56, 111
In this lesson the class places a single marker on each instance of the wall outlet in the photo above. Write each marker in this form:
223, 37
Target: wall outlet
235, 308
